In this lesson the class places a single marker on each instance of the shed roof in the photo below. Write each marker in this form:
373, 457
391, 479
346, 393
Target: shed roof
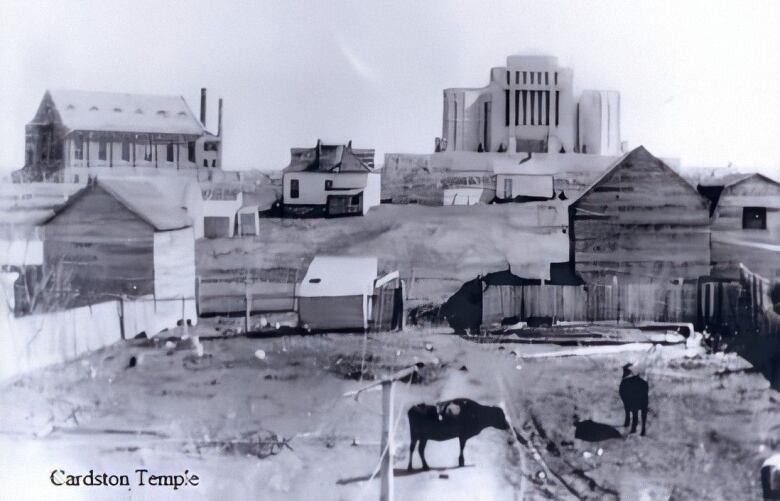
140, 197
339, 276
118, 112
732, 179
330, 158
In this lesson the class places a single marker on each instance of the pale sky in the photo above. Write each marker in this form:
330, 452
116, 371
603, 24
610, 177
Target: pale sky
699, 81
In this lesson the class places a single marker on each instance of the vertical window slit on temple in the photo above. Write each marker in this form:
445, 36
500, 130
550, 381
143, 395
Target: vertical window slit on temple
546, 78
525, 107
517, 77
517, 107
557, 98
539, 98
547, 107
556, 78
455, 127
507, 78
525, 75
532, 107
506, 107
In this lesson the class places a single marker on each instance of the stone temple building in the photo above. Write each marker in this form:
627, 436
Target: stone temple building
529, 106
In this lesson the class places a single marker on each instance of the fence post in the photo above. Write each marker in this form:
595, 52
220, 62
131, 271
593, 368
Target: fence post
386, 468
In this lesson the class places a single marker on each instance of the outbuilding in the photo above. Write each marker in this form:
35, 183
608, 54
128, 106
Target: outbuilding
338, 293
121, 238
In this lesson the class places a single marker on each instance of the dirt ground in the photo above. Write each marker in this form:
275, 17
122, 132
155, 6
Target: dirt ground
280, 428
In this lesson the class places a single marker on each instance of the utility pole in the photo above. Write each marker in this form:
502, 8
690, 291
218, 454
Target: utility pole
386, 450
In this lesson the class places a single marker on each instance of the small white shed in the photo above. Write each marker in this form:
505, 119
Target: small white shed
336, 293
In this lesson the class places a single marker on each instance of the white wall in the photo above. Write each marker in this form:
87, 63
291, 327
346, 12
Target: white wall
373, 192
174, 264
312, 185
221, 208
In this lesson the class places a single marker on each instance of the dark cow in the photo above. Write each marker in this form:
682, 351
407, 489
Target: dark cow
633, 392
460, 418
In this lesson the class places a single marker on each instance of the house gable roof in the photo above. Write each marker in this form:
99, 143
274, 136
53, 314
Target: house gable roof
117, 112
330, 158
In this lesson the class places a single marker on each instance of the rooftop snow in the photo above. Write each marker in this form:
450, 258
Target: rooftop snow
339, 276
116, 112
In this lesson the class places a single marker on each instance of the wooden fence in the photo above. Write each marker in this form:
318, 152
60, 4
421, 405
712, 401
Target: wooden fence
627, 302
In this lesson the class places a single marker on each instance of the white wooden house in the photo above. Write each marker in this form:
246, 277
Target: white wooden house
330, 180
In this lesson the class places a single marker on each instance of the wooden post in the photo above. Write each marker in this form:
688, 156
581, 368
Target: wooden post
386, 465
247, 303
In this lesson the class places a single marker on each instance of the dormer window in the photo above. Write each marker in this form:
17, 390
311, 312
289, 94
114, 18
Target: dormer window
182, 114
70, 107
139, 111
117, 110
162, 113
93, 108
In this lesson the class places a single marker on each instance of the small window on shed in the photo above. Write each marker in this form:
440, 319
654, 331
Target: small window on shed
315, 280
328, 184
754, 218
294, 188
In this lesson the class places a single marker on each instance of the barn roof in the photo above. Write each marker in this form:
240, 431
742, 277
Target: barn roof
640, 152
330, 158
140, 197
339, 276
732, 179
117, 112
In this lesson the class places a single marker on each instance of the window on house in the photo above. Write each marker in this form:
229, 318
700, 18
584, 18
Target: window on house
210, 146
191, 151
169, 152
102, 148
29, 158
328, 184
507, 188
754, 218
294, 188
556, 78
205, 163
126, 151
525, 77
148, 151
78, 147
355, 200
213, 163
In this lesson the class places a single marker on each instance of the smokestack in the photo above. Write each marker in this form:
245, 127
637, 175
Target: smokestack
203, 106
219, 119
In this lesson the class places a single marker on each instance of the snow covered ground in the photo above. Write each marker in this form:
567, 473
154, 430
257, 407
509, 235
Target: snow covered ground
226, 416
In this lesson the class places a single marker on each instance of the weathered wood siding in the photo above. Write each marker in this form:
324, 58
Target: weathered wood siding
627, 302
752, 192
100, 249
640, 222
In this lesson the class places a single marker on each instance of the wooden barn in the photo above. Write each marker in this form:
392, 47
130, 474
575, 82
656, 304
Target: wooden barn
120, 238
640, 222
745, 223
